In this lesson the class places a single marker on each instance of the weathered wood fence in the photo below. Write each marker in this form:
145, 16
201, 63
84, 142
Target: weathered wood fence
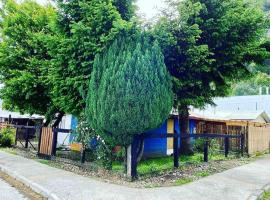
258, 139
48, 141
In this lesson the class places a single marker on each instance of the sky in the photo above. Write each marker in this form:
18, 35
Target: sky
150, 8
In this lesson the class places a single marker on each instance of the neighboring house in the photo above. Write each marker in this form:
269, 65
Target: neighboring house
67, 122
229, 113
162, 146
18, 118
230, 116
239, 104
249, 116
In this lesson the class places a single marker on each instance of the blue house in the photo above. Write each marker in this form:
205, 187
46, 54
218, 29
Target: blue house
155, 147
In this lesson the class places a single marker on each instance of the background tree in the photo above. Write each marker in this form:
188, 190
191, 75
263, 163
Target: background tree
252, 85
207, 45
24, 58
129, 91
126, 8
85, 28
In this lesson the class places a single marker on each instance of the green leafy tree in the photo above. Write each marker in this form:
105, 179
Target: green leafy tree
207, 45
129, 91
125, 7
24, 58
252, 85
85, 28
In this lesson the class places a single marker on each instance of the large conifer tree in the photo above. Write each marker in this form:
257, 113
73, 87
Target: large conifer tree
130, 91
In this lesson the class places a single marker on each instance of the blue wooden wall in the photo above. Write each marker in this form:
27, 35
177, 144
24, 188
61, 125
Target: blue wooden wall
158, 146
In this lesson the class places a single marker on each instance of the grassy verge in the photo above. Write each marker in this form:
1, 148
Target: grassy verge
9, 150
156, 165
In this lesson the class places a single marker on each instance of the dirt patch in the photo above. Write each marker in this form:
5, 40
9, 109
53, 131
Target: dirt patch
25, 190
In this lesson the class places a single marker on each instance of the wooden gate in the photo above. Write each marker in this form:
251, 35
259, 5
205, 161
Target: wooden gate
46, 142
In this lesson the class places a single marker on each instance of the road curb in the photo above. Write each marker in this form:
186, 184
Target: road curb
34, 186
259, 193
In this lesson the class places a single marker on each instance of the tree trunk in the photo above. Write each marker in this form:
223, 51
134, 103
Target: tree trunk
46, 123
58, 119
138, 155
183, 117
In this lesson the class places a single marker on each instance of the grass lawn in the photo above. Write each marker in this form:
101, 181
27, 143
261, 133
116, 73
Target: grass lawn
266, 196
156, 165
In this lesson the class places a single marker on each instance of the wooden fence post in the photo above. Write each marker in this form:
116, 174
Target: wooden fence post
16, 137
176, 150
132, 158
26, 138
242, 144
83, 152
205, 152
39, 140
227, 143
54, 142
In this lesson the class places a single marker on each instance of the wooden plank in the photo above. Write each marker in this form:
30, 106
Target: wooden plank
170, 130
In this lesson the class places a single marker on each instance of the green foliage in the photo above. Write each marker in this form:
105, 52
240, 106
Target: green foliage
24, 57
84, 29
7, 137
199, 145
266, 196
209, 44
252, 85
100, 151
130, 90
84, 133
125, 7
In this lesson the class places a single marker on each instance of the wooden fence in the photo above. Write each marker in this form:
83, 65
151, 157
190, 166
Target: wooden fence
258, 139
46, 142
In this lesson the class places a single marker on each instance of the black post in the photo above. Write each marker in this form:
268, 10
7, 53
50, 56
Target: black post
39, 140
9, 119
176, 150
227, 146
83, 155
16, 137
26, 138
205, 152
54, 143
242, 144
134, 147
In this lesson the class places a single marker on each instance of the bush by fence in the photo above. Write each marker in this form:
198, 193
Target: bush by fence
7, 137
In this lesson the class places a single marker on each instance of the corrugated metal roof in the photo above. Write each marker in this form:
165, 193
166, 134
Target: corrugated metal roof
16, 115
238, 108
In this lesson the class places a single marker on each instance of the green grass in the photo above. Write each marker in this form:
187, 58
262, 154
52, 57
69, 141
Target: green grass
266, 196
182, 181
202, 174
8, 150
44, 162
156, 165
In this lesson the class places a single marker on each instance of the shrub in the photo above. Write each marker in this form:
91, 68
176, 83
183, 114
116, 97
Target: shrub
130, 90
7, 137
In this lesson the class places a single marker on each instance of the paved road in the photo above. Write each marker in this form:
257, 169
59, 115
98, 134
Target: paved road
235, 184
8, 192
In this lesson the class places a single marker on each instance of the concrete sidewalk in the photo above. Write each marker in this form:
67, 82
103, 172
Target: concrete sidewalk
238, 183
